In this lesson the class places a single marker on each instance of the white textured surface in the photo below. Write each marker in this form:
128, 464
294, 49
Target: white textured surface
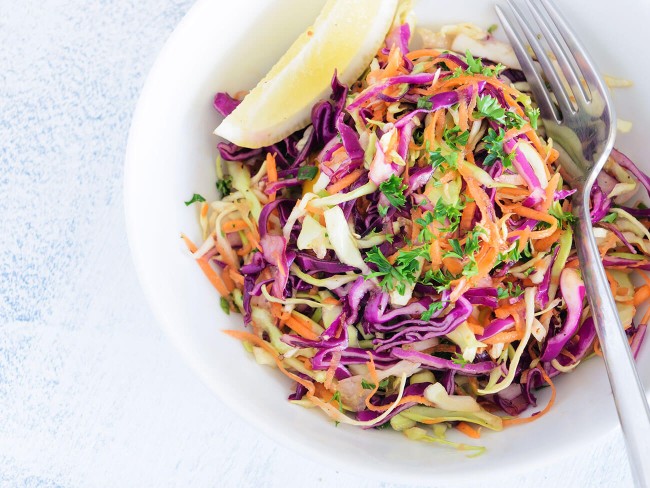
91, 393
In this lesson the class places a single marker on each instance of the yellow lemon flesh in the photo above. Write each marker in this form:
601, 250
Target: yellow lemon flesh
345, 37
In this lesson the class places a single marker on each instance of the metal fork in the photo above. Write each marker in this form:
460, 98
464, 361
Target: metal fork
579, 116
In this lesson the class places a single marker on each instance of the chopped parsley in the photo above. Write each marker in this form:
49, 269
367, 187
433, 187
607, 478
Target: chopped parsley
433, 308
454, 138
509, 291
424, 102
393, 188
436, 158
494, 147
533, 115
224, 186
382, 210
396, 276
366, 385
307, 173
489, 107
440, 279
459, 359
492, 28
609, 218
195, 198
562, 216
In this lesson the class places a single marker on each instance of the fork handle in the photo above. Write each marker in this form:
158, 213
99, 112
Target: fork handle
629, 395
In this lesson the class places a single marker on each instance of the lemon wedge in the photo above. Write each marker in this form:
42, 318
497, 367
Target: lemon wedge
345, 37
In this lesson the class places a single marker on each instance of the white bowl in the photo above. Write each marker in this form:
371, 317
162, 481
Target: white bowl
229, 46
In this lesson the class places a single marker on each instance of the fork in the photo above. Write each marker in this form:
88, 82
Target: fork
579, 116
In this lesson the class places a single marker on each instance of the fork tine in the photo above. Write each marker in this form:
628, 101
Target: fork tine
583, 60
547, 67
542, 97
562, 54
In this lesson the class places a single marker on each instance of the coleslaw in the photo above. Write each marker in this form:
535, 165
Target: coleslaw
407, 260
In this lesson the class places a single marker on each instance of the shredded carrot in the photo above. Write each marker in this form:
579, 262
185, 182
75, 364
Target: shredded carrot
345, 181
467, 216
468, 430
421, 53
330, 301
271, 172
475, 328
375, 379
301, 328
641, 295
542, 412
234, 226
210, 273
504, 337
334, 362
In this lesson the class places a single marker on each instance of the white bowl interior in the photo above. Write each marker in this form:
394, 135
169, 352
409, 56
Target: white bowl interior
229, 46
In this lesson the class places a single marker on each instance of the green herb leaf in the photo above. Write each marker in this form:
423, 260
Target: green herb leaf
494, 146
492, 28
195, 198
609, 218
366, 385
382, 210
440, 279
403, 272
424, 102
474, 65
307, 173
490, 108
459, 359
393, 189
533, 115
454, 138
433, 308
224, 187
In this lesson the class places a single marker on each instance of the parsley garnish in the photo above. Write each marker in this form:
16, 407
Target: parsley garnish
224, 187
494, 146
433, 308
609, 218
393, 189
436, 159
440, 279
533, 115
454, 138
564, 217
307, 173
382, 210
195, 198
492, 28
403, 272
424, 102
366, 385
489, 107
509, 291
459, 359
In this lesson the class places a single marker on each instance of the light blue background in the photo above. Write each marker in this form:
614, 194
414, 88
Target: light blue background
91, 393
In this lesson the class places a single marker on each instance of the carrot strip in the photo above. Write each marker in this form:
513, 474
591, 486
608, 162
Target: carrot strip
468, 430
271, 172
375, 379
234, 226
421, 53
210, 273
467, 216
641, 295
506, 336
301, 328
